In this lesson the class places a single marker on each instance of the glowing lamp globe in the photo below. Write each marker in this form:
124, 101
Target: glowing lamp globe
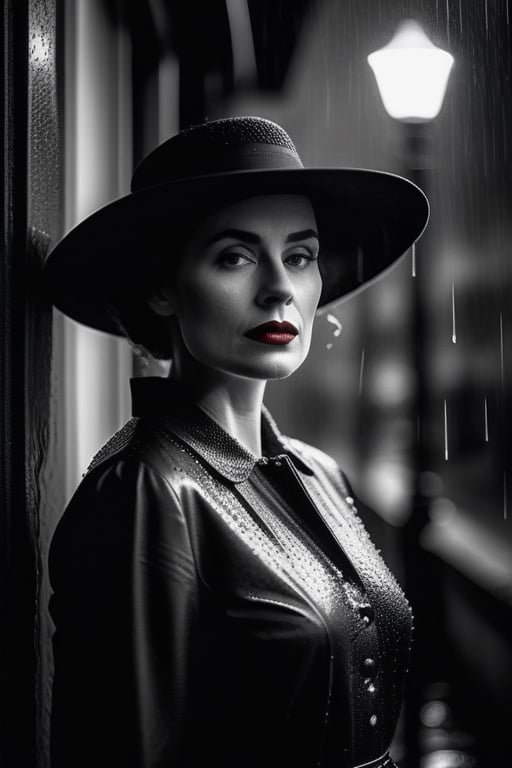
412, 74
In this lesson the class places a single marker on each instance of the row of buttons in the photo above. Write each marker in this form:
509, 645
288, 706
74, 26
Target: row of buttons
369, 669
367, 614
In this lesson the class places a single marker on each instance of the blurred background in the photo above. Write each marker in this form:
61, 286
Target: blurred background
407, 383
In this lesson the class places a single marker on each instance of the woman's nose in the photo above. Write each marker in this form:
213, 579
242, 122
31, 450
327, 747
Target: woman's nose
276, 288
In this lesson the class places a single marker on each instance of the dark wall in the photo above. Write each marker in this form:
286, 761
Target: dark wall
29, 391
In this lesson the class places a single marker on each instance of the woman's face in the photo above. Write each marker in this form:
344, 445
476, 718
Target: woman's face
251, 263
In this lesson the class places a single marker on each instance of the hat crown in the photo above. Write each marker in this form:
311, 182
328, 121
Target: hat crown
220, 146
236, 131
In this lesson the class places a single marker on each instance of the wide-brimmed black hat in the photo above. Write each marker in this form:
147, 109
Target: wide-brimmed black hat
366, 219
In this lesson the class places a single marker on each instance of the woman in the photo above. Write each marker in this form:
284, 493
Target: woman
215, 595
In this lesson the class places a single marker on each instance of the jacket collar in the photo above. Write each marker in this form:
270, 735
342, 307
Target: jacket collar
160, 399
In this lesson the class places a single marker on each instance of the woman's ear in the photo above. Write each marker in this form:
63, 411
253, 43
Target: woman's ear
161, 302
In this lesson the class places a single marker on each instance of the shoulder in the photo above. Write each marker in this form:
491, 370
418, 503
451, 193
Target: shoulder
151, 447
321, 463
123, 511
113, 499
138, 442
124, 479
123, 473
312, 454
331, 480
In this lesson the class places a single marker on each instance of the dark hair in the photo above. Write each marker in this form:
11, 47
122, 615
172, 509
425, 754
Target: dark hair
127, 304
147, 332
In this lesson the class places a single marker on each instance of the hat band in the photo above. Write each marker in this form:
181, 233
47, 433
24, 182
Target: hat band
244, 157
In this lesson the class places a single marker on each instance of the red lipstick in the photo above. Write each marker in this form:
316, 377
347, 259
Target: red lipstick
273, 333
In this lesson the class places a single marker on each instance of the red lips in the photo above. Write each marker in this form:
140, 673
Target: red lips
273, 333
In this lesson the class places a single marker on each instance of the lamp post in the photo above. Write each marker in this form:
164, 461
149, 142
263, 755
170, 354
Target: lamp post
412, 76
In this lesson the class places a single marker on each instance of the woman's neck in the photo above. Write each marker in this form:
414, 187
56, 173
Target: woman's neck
238, 415
233, 402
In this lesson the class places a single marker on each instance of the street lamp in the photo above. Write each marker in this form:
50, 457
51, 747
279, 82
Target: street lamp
412, 76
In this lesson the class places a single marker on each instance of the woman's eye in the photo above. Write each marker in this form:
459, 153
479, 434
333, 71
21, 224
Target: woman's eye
234, 258
300, 259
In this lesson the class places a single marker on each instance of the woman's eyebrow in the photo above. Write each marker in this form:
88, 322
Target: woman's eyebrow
251, 237
235, 234
304, 235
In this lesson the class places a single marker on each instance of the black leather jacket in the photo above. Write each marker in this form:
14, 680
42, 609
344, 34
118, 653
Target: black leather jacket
213, 609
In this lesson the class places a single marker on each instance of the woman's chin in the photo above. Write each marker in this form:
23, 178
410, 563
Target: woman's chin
266, 370
267, 364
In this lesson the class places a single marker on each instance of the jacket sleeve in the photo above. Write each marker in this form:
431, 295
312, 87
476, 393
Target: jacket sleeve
125, 608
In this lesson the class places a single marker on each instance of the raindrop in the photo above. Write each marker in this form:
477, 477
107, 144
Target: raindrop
360, 265
454, 331
413, 255
504, 123
501, 350
448, 20
486, 421
508, 18
361, 370
505, 512
486, 19
445, 432
460, 16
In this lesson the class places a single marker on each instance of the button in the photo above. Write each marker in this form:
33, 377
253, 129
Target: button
366, 613
373, 720
277, 462
370, 685
369, 665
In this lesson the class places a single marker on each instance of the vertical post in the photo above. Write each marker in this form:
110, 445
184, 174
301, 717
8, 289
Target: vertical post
29, 485
422, 579
18, 582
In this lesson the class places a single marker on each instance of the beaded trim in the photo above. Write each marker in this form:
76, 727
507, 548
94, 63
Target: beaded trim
116, 444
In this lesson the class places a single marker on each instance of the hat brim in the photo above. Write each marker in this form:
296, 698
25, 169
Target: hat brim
366, 221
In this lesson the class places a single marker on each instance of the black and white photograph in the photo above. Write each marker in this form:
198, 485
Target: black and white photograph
255, 381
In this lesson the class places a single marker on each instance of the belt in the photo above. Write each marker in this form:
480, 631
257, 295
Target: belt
384, 761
